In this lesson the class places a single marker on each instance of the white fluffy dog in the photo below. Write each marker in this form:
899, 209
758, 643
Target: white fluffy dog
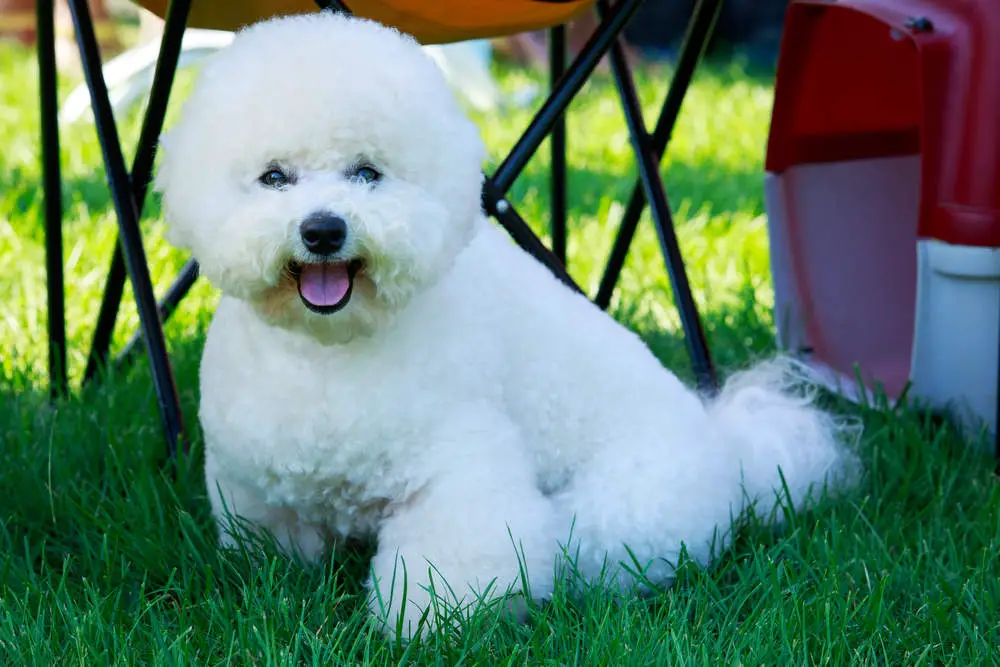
386, 364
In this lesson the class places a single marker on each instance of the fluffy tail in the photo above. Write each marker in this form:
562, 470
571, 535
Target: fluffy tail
769, 413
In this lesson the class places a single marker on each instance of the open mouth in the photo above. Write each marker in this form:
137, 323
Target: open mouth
325, 287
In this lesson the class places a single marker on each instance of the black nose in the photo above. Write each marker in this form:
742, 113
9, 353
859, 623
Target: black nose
323, 233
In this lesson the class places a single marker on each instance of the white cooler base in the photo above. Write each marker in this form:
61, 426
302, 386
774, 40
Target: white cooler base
955, 342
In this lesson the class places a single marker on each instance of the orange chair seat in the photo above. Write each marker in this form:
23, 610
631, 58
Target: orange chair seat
429, 21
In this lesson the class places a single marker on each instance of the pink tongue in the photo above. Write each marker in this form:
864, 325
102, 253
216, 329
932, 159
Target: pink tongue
324, 284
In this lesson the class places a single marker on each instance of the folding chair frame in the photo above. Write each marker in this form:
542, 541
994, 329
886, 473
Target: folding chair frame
129, 189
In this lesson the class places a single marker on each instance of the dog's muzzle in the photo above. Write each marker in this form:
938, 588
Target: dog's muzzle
325, 286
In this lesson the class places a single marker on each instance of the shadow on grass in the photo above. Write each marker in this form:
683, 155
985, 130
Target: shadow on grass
697, 185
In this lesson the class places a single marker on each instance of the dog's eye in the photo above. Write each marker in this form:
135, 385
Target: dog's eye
275, 178
366, 174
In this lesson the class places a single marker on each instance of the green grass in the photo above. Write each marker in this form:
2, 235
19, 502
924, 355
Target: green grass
105, 559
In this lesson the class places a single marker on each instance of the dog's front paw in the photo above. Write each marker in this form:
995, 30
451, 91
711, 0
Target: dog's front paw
401, 603
410, 597
478, 534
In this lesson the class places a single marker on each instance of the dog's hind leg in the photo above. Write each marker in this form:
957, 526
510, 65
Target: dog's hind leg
681, 480
636, 504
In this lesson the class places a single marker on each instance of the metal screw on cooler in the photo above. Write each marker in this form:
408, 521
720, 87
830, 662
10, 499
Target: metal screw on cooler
502, 206
919, 24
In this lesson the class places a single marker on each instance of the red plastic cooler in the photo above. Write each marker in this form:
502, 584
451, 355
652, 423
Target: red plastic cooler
883, 195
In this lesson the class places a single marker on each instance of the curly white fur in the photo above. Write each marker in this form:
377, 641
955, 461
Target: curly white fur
464, 409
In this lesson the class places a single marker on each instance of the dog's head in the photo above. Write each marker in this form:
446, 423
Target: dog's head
323, 171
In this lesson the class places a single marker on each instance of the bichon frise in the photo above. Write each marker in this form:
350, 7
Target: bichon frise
385, 363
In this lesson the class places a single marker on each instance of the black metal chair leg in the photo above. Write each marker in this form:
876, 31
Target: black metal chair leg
168, 304
130, 235
142, 170
498, 207
649, 174
114, 289
553, 109
334, 6
699, 32
558, 194
563, 93
52, 189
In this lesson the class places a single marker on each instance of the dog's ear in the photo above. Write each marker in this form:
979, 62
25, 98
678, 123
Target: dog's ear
161, 184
